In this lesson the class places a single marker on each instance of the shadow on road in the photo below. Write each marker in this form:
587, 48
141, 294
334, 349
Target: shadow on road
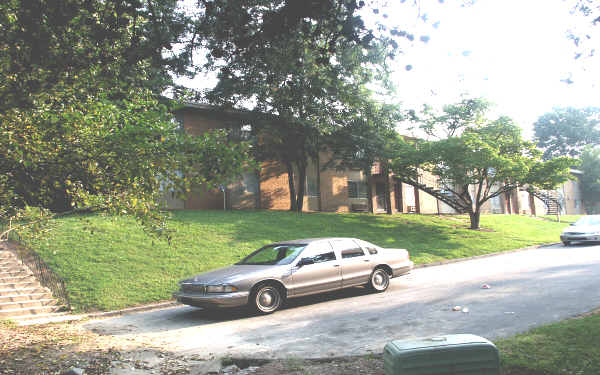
185, 316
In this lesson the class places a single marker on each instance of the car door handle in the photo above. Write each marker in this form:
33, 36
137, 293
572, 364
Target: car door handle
336, 265
366, 260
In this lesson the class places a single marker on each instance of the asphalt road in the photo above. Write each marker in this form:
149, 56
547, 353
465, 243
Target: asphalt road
528, 288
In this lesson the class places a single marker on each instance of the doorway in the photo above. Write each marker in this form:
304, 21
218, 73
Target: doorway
380, 196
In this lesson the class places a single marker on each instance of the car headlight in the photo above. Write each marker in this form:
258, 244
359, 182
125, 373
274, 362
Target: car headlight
220, 289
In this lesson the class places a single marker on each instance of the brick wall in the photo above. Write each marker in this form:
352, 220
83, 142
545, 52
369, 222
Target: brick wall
274, 188
195, 123
334, 191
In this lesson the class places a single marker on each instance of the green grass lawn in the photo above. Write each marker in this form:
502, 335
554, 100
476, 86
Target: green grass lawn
568, 347
563, 218
118, 265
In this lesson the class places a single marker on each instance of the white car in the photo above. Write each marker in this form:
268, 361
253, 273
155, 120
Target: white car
586, 229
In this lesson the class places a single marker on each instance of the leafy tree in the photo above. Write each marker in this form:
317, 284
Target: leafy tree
366, 140
82, 125
113, 45
453, 119
243, 29
485, 160
590, 179
565, 131
309, 69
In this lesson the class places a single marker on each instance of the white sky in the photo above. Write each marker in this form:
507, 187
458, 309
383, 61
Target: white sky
516, 54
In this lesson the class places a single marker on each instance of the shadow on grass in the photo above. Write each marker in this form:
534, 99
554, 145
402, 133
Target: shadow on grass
420, 237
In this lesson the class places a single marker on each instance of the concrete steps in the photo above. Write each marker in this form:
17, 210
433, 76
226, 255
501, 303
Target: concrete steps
25, 297
22, 291
16, 279
22, 297
32, 303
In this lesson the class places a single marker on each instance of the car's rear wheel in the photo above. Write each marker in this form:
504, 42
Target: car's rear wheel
566, 243
380, 280
267, 298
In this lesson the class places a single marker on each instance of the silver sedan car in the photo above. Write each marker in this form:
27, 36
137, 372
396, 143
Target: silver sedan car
273, 273
586, 229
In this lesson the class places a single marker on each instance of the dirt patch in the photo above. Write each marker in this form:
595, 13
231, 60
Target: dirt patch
55, 348
370, 364
589, 313
485, 230
50, 349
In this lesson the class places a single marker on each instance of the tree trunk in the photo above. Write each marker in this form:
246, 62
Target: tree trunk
290, 171
475, 218
388, 198
318, 161
369, 192
301, 185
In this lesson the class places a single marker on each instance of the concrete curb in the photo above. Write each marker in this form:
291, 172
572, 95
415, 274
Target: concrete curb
131, 310
448, 261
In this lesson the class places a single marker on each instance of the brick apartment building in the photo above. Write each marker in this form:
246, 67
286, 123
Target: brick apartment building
327, 189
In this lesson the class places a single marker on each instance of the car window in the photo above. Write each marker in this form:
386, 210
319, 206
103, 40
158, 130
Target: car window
588, 220
325, 257
274, 254
348, 248
352, 253
372, 249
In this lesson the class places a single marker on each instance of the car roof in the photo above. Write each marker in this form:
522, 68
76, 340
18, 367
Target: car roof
310, 240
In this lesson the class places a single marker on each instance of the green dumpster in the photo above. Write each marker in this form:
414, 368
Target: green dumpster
442, 355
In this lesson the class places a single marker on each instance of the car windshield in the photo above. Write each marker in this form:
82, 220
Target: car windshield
588, 220
274, 254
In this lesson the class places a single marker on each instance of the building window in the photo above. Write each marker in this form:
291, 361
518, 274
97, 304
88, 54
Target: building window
240, 132
250, 182
357, 189
312, 188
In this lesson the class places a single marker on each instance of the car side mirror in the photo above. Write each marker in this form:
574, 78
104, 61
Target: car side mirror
305, 261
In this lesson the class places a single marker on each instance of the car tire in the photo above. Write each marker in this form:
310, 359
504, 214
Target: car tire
379, 280
266, 299
566, 243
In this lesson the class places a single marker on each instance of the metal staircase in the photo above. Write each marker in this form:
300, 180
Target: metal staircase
550, 198
431, 185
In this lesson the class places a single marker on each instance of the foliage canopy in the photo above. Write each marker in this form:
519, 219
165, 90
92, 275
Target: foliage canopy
566, 131
82, 123
590, 179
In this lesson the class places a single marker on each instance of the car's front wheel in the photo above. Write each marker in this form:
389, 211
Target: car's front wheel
380, 280
266, 299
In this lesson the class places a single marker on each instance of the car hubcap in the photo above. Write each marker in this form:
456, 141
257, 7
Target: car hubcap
268, 299
379, 280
